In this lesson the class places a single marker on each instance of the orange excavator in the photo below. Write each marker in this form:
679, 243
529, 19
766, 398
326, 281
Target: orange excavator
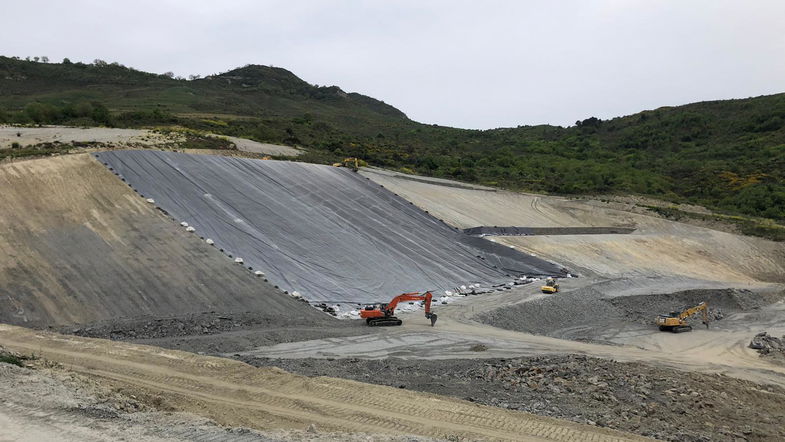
384, 314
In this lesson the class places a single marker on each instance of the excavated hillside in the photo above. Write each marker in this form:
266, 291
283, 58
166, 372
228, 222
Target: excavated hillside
78, 246
656, 248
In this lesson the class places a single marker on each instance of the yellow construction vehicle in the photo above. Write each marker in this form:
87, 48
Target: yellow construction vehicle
551, 286
352, 163
676, 322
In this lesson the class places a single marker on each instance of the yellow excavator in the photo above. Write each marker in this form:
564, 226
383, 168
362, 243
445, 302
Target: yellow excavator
351, 163
676, 322
551, 286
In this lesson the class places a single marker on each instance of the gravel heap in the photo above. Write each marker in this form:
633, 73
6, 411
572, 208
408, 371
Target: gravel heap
768, 345
589, 310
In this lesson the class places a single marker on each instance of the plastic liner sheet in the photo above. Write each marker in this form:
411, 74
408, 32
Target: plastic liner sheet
526, 231
326, 232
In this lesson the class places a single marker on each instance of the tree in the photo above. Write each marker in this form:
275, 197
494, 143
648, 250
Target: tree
100, 63
83, 109
101, 114
35, 59
45, 59
66, 61
42, 113
169, 74
193, 77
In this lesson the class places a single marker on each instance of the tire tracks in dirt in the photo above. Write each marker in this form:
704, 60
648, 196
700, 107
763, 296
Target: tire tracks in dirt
234, 393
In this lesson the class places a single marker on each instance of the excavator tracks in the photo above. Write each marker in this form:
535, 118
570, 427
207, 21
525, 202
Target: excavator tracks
384, 322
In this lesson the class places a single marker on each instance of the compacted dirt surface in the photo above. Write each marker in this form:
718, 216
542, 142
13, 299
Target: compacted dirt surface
30, 136
236, 394
651, 401
141, 302
44, 401
656, 247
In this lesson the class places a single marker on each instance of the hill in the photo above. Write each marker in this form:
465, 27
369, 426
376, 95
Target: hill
727, 155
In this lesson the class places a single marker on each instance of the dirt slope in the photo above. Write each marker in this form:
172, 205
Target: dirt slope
51, 403
78, 246
234, 393
657, 247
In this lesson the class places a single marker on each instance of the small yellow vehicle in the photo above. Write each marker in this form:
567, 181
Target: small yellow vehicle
551, 286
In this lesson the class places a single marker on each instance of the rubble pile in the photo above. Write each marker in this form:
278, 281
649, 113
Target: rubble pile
768, 345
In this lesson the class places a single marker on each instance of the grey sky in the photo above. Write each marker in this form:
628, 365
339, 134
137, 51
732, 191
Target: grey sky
477, 64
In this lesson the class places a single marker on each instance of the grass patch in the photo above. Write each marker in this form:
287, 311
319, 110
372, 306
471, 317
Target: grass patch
8, 358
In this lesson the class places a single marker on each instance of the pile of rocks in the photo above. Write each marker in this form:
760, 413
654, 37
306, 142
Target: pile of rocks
768, 345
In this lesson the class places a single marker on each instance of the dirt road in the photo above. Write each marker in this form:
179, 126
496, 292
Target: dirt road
234, 393
457, 331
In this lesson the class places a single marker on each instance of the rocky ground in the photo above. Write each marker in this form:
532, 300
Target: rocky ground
42, 401
214, 333
769, 346
592, 311
650, 401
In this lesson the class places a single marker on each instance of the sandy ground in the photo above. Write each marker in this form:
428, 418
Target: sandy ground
657, 247
235, 394
27, 136
246, 145
51, 403
112, 137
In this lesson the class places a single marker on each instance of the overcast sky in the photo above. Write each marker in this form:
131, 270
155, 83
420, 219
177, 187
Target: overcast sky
473, 64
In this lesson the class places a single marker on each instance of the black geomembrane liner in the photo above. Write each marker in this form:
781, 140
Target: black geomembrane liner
326, 232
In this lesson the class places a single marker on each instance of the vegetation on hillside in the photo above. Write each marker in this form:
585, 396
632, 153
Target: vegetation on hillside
726, 155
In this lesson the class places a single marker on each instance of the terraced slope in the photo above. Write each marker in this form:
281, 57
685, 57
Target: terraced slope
656, 248
78, 246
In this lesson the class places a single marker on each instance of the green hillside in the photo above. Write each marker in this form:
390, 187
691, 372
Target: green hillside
728, 155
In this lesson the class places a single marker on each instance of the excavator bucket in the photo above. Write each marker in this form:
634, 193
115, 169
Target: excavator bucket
433, 319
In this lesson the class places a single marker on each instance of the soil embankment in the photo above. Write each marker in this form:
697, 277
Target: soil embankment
78, 246
657, 247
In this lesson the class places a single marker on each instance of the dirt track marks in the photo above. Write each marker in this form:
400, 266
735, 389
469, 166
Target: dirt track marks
234, 393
